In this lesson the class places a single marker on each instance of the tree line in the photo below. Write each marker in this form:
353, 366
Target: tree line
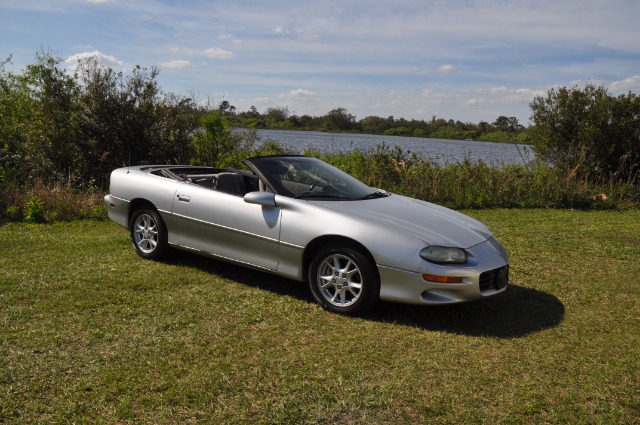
58, 127
503, 129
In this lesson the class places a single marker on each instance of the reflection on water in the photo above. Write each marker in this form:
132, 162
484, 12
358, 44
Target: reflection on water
438, 150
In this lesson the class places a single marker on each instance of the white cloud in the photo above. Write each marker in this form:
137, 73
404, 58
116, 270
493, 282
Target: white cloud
101, 58
301, 99
216, 53
476, 102
211, 52
299, 33
626, 85
499, 90
447, 69
299, 93
304, 34
228, 37
99, 1
179, 63
514, 95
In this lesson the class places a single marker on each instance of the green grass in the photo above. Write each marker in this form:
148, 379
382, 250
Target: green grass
91, 333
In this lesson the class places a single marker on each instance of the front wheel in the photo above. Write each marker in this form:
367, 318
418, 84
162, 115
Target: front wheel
148, 234
343, 280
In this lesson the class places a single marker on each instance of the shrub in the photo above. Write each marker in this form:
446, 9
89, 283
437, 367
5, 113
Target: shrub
49, 203
588, 131
476, 185
12, 213
34, 211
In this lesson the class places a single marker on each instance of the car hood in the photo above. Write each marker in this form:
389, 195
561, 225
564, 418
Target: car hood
433, 224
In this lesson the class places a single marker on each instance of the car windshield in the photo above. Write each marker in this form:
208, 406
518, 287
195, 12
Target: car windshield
309, 178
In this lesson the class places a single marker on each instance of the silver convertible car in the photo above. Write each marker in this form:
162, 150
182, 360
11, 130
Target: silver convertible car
303, 219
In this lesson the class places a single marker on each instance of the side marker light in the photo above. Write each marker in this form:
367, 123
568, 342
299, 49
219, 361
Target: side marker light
441, 279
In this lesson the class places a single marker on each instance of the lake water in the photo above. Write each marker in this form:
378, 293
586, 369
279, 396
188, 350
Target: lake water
438, 150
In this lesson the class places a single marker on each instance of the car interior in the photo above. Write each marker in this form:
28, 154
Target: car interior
228, 180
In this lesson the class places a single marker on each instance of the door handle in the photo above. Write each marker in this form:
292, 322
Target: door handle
184, 198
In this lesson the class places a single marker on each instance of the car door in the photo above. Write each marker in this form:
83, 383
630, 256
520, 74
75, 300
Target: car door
226, 226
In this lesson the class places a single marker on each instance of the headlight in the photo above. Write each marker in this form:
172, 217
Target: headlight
444, 255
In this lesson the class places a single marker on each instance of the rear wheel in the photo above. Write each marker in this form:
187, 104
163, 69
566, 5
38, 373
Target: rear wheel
343, 280
148, 234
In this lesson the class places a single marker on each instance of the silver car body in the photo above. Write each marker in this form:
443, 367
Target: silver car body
279, 234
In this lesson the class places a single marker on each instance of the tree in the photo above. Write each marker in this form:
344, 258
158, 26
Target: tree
57, 127
508, 124
215, 144
102, 137
588, 130
397, 131
372, 124
276, 115
127, 120
213, 141
50, 134
625, 131
339, 119
483, 127
253, 112
17, 109
226, 108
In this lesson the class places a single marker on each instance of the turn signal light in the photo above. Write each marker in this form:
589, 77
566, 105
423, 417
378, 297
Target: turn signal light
441, 279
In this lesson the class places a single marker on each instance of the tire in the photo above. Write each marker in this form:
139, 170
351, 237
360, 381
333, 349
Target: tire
343, 280
148, 234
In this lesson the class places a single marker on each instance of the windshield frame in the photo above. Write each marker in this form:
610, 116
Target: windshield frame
303, 177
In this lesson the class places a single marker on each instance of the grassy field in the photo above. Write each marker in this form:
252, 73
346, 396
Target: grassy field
91, 333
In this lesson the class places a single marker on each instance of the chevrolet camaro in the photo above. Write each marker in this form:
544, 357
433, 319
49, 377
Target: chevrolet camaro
303, 219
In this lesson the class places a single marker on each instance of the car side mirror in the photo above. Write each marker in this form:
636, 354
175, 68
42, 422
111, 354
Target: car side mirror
266, 199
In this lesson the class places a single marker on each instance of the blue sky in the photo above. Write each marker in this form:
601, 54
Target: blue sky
467, 60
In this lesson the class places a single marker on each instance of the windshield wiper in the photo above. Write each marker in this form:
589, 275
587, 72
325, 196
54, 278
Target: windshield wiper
375, 195
310, 195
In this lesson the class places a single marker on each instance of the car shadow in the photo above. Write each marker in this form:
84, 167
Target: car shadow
515, 313
244, 275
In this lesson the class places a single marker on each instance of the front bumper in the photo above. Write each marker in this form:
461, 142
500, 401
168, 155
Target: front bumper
484, 275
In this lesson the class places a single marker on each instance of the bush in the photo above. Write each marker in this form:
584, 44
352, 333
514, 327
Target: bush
476, 185
588, 132
34, 211
75, 129
39, 203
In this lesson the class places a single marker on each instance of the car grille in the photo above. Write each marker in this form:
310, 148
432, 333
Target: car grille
494, 279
